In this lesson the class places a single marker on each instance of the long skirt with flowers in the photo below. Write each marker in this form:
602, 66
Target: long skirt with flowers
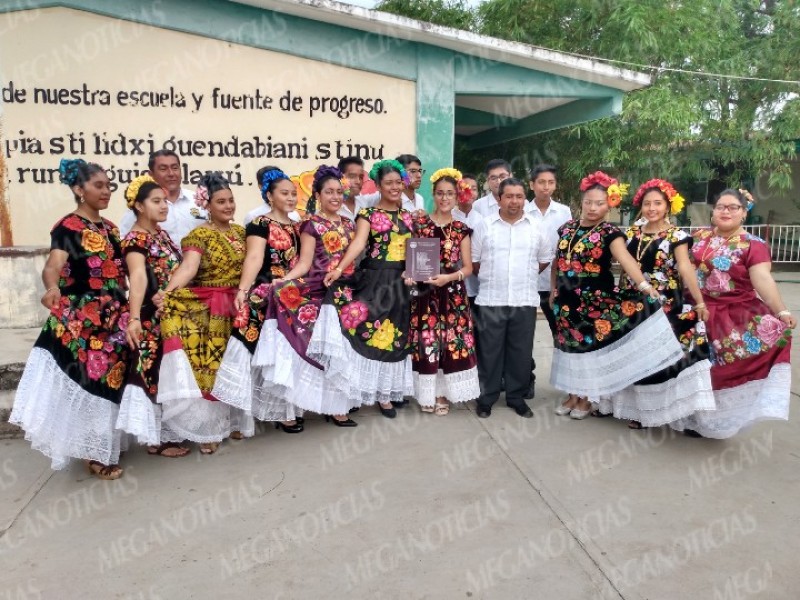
606, 338
751, 375
241, 379
195, 328
361, 337
139, 413
68, 398
282, 352
684, 387
442, 334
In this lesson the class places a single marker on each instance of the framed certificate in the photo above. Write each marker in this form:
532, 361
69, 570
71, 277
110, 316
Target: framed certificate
422, 258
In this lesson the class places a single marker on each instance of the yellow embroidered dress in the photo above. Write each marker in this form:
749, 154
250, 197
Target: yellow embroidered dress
195, 327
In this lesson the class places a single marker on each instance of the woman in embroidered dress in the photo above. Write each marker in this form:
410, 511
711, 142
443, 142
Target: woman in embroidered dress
361, 336
295, 304
748, 325
68, 398
442, 335
196, 323
598, 324
662, 253
150, 257
273, 241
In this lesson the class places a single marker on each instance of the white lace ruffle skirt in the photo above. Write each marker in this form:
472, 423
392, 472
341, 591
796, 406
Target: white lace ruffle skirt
650, 347
662, 403
186, 413
740, 407
366, 381
460, 386
60, 418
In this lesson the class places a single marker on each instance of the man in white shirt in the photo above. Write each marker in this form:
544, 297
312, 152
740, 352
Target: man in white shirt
352, 167
551, 215
496, 171
412, 201
509, 250
184, 215
264, 208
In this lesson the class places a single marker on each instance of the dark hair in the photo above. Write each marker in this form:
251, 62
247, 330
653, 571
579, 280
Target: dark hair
732, 192
496, 163
543, 168
214, 181
509, 182
76, 171
350, 160
596, 186
469, 176
655, 189
407, 159
323, 174
384, 171
270, 187
448, 179
144, 191
151, 162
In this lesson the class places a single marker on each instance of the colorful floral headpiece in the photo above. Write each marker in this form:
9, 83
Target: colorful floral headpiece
751, 202
373, 172
345, 187
201, 196
68, 170
328, 171
133, 188
462, 187
616, 191
270, 176
676, 201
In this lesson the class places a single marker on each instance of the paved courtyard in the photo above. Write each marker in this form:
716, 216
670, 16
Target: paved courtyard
419, 507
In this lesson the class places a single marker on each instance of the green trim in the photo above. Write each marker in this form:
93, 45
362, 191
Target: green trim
578, 111
435, 113
470, 117
480, 77
258, 28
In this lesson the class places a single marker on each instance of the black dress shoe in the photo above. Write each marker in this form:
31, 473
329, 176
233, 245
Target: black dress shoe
389, 413
300, 420
354, 409
338, 423
692, 433
399, 403
524, 411
484, 413
296, 428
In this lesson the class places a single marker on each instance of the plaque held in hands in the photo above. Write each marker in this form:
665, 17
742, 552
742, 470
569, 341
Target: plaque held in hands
422, 258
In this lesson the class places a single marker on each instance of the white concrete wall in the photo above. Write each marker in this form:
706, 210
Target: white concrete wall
21, 287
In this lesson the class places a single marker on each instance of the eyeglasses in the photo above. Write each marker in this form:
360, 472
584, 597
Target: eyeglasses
731, 208
415, 171
500, 177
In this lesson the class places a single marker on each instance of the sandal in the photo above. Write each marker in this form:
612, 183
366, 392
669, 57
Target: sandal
106, 472
426, 409
596, 413
441, 409
236, 435
635, 425
164, 450
209, 448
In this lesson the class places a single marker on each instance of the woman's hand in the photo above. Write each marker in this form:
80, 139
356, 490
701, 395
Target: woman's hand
440, 280
789, 320
653, 293
158, 299
702, 313
51, 298
332, 276
133, 333
238, 302
553, 296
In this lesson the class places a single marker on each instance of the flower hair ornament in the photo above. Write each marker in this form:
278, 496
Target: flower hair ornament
373, 172
68, 170
462, 187
676, 201
133, 188
270, 176
751, 202
201, 196
616, 191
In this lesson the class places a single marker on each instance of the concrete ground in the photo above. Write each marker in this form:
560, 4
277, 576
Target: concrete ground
419, 507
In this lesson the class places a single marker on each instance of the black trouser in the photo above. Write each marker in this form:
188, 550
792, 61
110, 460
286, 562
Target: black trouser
548, 312
505, 348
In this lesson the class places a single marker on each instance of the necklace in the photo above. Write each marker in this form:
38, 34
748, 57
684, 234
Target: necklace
447, 230
571, 246
715, 233
230, 235
641, 248
327, 217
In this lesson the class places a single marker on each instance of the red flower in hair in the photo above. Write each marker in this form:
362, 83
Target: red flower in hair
597, 178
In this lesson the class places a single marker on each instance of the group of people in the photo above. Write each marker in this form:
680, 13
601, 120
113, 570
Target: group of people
186, 326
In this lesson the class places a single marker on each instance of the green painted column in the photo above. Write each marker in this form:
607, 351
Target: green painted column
435, 113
